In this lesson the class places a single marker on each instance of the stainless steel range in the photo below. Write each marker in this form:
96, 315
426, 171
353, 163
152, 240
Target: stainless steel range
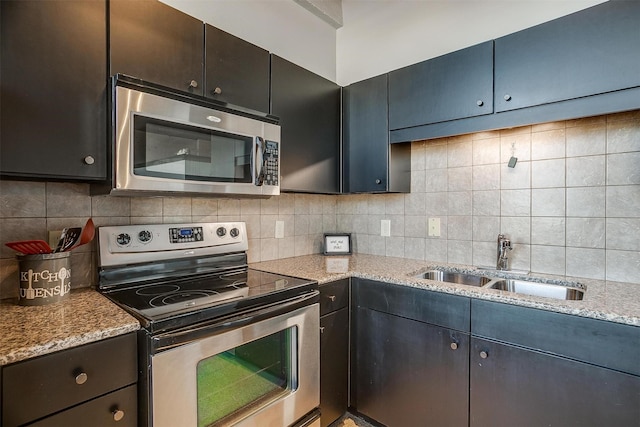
221, 344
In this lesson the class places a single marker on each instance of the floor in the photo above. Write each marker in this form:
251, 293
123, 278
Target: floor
350, 420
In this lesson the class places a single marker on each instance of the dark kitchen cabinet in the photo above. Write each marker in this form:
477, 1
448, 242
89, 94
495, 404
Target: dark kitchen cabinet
407, 371
370, 163
590, 52
117, 409
334, 350
95, 382
530, 367
236, 71
53, 89
155, 42
512, 386
453, 86
308, 106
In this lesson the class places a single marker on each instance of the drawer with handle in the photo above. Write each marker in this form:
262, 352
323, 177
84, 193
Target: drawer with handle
334, 296
118, 409
38, 387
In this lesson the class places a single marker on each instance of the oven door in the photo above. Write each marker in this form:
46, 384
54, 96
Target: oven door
264, 373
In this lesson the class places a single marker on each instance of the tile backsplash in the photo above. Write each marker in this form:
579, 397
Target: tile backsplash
28, 210
571, 206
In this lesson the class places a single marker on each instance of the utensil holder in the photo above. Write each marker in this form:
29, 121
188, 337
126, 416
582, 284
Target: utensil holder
44, 278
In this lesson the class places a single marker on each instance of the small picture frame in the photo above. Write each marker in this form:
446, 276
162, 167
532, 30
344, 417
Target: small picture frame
337, 243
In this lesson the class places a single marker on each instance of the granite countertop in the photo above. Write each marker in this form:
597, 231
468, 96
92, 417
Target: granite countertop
85, 316
604, 300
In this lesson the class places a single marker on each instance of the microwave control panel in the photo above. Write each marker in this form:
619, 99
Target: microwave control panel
271, 163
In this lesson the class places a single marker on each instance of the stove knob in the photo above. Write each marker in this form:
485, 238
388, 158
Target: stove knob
123, 239
221, 231
144, 236
234, 232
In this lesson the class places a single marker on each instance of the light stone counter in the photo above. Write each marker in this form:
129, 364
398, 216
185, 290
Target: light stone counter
604, 300
85, 316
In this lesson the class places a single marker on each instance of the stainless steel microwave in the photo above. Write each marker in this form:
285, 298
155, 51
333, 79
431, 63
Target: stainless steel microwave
166, 142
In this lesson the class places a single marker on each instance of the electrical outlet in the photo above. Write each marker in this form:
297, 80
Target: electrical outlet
279, 229
385, 227
434, 227
54, 236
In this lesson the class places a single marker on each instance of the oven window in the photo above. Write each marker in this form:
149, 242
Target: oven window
239, 381
171, 150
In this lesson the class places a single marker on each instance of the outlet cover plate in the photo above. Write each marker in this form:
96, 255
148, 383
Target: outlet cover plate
434, 227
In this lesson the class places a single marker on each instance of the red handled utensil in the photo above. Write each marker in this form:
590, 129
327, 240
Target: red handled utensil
88, 232
30, 247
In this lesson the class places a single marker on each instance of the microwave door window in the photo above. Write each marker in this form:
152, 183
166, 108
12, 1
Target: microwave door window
171, 150
230, 159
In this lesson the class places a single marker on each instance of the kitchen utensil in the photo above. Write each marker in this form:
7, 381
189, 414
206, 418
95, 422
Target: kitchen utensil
69, 237
30, 247
88, 232
31, 293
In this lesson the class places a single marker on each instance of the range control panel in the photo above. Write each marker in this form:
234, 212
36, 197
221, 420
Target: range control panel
125, 244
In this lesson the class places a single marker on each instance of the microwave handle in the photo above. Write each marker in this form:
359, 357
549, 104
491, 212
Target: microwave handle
258, 161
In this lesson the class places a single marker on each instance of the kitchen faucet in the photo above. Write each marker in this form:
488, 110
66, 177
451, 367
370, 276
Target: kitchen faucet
502, 262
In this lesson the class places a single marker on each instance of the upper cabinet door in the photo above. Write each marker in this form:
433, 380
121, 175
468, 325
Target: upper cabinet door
236, 72
309, 109
589, 52
53, 89
449, 87
366, 136
157, 43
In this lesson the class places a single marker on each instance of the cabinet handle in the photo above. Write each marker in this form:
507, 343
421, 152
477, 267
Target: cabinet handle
454, 346
322, 329
118, 414
331, 297
378, 181
81, 378
216, 91
479, 102
507, 97
89, 160
193, 84
484, 354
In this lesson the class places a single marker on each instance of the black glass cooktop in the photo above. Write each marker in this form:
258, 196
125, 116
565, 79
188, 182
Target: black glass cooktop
190, 298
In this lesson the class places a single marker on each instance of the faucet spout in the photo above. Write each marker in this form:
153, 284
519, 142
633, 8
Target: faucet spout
502, 262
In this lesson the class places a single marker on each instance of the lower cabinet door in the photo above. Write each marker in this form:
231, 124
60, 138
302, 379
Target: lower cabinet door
334, 365
512, 386
117, 409
409, 373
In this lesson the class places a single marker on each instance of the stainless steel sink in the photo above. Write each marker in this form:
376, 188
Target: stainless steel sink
533, 287
548, 290
455, 277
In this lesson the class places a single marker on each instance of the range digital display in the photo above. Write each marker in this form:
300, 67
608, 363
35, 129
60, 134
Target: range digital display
185, 234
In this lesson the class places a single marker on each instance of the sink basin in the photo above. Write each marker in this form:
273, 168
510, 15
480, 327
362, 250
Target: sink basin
526, 286
453, 277
548, 290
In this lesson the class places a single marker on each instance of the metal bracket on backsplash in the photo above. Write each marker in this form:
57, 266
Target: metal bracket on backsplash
513, 160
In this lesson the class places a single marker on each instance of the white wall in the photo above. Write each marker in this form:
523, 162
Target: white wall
380, 36
280, 26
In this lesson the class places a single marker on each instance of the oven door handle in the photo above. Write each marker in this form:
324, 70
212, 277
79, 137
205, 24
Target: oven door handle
169, 340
